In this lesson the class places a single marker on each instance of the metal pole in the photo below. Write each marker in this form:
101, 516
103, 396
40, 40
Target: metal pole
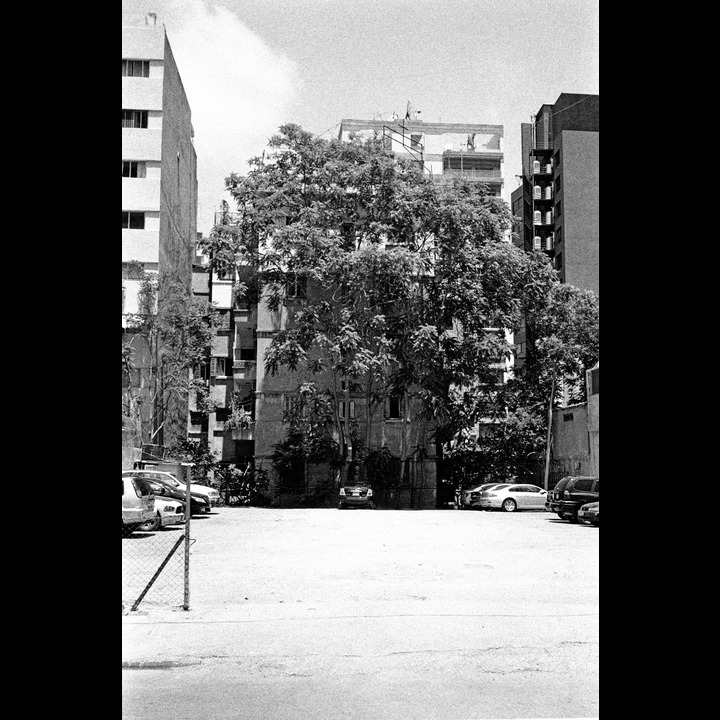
186, 573
548, 443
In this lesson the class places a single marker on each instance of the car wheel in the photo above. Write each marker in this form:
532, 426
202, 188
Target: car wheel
151, 525
509, 505
561, 516
573, 518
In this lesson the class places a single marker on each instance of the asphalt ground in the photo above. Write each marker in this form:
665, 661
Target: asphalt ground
373, 614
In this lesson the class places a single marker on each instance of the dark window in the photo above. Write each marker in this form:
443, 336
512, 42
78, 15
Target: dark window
133, 168
558, 261
136, 68
133, 220
394, 408
134, 118
582, 485
222, 414
196, 418
416, 142
247, 353
558, 209
296, 287
595, 381
568, 417
558, 184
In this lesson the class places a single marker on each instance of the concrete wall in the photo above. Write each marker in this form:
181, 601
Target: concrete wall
579, 221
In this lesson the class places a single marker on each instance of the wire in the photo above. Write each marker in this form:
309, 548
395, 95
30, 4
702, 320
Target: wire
573, 105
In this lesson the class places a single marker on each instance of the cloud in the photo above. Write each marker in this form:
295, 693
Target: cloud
239, 90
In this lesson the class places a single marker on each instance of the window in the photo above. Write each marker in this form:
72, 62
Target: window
219, 366
133, 168
558, 184
558, 261
289, 402
247, 353
582, 485
595, 381
352, 409
133, 220
136, 68
416, 142
558, 209
568, 417
222, 415
296, 287
135, 118
393, 411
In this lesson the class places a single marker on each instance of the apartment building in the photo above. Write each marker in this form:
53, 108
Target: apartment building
159, 182
446, 151
559, 199
558, 202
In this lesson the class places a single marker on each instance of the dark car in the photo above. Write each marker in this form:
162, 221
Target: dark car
576, 492
356, 495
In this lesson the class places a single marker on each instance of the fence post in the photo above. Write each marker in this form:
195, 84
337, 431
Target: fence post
186, 573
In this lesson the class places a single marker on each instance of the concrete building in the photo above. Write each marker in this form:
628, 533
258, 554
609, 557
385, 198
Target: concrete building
159, 178
446, 150
558, 202
560, 190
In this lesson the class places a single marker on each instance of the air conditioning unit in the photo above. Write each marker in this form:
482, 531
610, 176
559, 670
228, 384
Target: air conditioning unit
550, 241
548, 168
536, 166
537, 218
548, 217
537, 240
537, 192
548, 192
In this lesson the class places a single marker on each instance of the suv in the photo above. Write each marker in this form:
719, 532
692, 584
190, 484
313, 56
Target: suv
575, 493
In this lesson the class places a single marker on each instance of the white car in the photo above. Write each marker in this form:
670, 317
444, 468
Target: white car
513, 497
210, 495
138, 504
167, 512
471, 497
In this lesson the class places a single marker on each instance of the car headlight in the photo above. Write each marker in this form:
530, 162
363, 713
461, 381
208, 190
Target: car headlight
369, 494
342, 491
169, 508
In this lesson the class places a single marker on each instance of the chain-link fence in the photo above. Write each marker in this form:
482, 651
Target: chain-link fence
155, 564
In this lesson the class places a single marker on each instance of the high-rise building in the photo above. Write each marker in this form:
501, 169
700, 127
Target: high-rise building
557, 204
159, 182
559, 200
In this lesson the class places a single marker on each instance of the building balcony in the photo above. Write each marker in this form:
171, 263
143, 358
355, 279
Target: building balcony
244, 369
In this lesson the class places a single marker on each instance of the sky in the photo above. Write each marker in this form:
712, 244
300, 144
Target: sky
249, 66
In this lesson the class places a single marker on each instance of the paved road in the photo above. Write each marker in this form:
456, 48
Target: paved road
361, 614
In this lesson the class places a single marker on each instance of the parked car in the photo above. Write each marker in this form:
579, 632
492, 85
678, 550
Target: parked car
167, 510
552, 503
590, 512
356, 495
513, 497
576, 492
203, 498
138, 504
471, 498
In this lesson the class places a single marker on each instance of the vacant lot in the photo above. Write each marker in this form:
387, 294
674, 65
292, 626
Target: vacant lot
374, 614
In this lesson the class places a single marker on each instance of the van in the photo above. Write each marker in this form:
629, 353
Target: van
138, 503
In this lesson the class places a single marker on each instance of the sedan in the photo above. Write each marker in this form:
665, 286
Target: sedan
513, 497
471, 497
590, 512
167, 512
360, 495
